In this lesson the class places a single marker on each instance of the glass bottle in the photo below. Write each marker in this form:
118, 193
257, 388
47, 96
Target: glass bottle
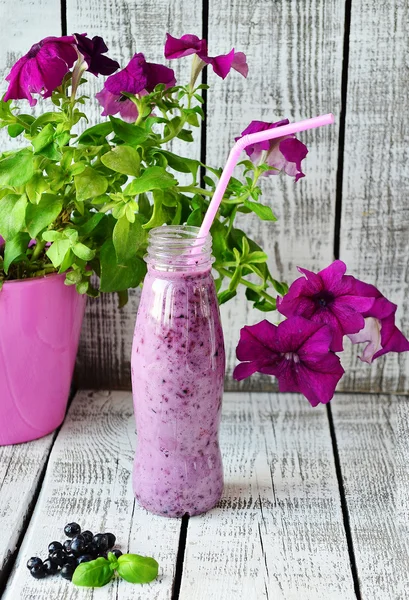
178, 366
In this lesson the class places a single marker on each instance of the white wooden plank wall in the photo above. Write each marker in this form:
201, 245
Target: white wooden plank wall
295, 54
375, 207
128, 27
295, 62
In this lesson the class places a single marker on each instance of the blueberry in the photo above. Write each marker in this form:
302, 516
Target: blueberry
70, 559
92, 549
78, 545
84, 558
38, 572
53, 547
67, 571
101, 542
58, 557
116, 552
50, 566
72, 529
111, 540
67, 546
34, 561
87, 535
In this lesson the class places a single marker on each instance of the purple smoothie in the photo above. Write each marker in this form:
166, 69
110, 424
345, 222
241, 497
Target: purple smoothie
178, 365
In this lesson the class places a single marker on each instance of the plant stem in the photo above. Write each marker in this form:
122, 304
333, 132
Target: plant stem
194, 190
39, 247
246, 283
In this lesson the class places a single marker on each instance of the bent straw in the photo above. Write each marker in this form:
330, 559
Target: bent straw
253, 138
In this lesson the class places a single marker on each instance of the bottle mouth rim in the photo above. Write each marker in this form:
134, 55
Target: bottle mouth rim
176, 247
177, 234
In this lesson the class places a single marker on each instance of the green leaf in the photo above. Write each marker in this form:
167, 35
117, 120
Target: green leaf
129, 133
15, 129
128, 237
160, 214
256, 257
95, 134
95, 573
265, 306
122, 159
41, 215
115, 276
52, 236
83, 252
235, 280
67, 261
57, 251
195, 218
123, 298
264, 212
154, 178
36, 186
90, 224
186, 135
48, 117
17, 169
137, 569
89, 184
12, 215
15, 248
180, 163
43, 143
5, 112
226, 296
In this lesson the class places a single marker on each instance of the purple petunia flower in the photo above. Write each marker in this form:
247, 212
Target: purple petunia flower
297, 352
93, 52
380, 332
2, 241
283, 154
42, 69
328, 297
191, 44
138, 77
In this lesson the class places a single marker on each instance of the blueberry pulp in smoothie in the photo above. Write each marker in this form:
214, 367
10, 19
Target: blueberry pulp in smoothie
178, 366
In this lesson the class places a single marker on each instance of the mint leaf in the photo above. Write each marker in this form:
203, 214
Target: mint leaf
154, 178
17, 169
137, 569
15, 248
41, 215
90, 184
95, 573
122, 159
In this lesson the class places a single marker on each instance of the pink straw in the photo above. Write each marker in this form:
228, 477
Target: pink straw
237, 149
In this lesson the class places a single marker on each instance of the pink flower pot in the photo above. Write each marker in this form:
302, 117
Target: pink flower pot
40, 325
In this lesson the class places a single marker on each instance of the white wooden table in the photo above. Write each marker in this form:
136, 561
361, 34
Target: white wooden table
315, 505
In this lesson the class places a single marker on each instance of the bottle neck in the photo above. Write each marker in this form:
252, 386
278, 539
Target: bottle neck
177, 248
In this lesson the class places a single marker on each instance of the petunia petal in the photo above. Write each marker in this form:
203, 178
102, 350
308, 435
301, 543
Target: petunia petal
240, 63
221, 64
257, 341
184, 46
